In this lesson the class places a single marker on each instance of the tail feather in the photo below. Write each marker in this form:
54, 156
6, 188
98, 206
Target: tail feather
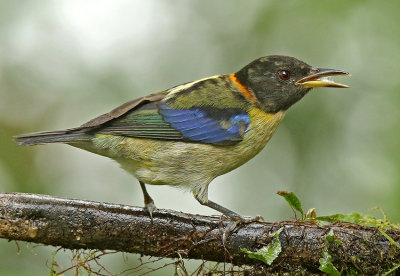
46, 137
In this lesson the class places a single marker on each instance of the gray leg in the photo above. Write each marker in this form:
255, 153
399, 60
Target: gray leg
222, 209
148, 201
202, 198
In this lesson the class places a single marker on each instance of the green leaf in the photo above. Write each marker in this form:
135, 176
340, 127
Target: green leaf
293, 201
269, 253
326, 260
326, 263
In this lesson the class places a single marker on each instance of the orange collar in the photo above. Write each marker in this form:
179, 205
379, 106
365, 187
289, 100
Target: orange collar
247, 93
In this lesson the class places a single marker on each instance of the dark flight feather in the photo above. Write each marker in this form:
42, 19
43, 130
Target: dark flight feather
150, 117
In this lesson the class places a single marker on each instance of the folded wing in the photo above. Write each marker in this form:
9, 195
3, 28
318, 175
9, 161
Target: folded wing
204, 124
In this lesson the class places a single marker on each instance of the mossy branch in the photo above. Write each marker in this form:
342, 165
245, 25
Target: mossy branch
86, 224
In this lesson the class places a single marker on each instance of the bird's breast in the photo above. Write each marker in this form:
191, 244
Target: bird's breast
263, 126
186, 164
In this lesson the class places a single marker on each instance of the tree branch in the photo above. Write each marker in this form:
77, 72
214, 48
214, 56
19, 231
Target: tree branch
86, 224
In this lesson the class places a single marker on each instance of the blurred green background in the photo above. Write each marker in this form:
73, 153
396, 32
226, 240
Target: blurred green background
65, 62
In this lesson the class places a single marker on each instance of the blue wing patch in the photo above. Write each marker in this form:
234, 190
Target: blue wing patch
196, 124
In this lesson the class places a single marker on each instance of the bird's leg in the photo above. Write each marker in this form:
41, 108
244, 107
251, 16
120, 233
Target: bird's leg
148, 201
223, 210
202, 198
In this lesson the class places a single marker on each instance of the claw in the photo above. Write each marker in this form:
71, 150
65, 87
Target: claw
234, 223
250, 219
228, 230
150, 208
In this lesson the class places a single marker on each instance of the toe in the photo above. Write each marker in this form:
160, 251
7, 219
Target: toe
150, 208
252, 219
228, 230
235, 222
248, 219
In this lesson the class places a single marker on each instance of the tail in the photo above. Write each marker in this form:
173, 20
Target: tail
46, 137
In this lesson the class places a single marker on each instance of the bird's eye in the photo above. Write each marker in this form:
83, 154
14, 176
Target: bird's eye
284, 74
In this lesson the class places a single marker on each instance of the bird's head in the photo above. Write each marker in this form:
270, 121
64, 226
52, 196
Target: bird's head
280, 81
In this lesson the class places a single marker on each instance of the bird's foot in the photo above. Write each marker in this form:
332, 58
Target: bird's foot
237, 221
150, 207
248, 219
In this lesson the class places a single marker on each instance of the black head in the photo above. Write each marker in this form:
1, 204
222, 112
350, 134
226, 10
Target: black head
280, 81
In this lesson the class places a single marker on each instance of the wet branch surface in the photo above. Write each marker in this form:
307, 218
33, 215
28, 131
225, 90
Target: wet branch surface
77, 224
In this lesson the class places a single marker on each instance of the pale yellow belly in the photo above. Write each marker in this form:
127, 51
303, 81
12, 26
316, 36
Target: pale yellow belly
186, 164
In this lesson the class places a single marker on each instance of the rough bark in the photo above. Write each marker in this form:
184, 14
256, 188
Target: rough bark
86, 224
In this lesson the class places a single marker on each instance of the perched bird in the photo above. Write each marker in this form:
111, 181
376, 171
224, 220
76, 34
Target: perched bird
188, 135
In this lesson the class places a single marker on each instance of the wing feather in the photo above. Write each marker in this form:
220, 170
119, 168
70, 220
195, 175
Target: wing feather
176, 115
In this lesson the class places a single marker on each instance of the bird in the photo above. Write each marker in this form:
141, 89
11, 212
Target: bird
188, 135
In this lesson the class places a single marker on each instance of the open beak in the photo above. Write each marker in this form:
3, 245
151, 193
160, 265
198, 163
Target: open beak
319, 78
